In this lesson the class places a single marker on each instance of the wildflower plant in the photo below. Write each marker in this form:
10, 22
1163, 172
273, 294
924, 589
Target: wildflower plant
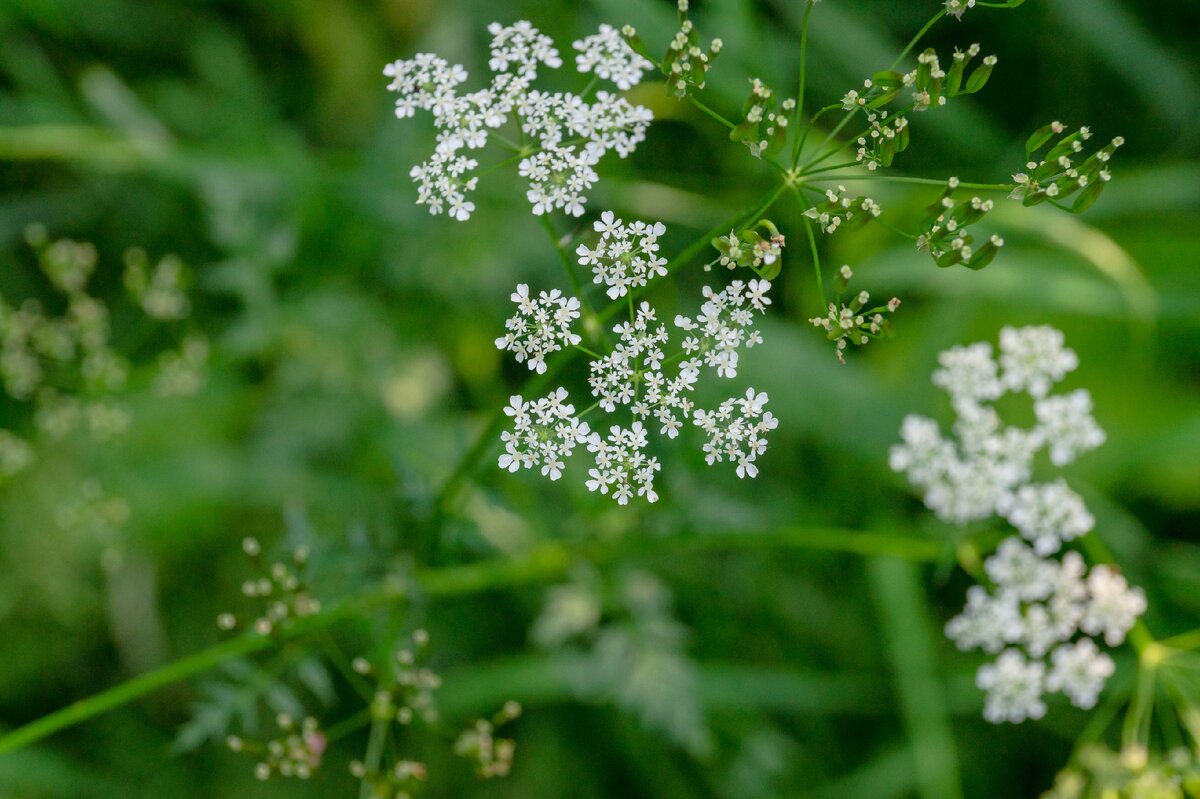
1050, 604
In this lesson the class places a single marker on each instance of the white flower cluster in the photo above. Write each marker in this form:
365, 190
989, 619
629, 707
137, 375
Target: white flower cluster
545, 431
626, 256
978, 476
542, 325
736, 431
569, 133
608, 55
1038, 606
638, 373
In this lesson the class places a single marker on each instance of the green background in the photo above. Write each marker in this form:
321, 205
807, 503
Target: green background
353, 367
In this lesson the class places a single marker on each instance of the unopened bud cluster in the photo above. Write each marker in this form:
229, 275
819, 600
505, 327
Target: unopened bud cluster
853, 322
764, 128
840, 212
762, 254
281, 586
406, 694
1064, 170
686, 64
947, 236
65, 366
296, 753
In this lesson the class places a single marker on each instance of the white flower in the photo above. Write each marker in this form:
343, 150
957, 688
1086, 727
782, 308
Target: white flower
1079, 671
1065, 422
1112, 606
441, 185
561, 173
987, 622
1017, 569
425, 81
924, 456
723, 325
545, 432
626, 256
1014, 688
1034, 359
520, 47
541, 326
622, 466
608, 55
968, 373
737, 431
559, 177
1047, 515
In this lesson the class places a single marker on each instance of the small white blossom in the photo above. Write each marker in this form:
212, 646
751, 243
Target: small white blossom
545, 432
987, 622
737, 431
622, 465
1079, 671
1014, 688
1047, 515
610, 57
540, 327
723, 325
559, 177
968, 373
1034, 359
1066, 423
626, 256
520, 48
1112, 606
424, 82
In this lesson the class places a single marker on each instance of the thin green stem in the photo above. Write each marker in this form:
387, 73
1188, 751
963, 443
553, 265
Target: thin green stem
812, 246
348, 725
845, 165
916, 39
921, 181
380, 724
700, 105
800, 90
568, 264
542, 564
586, 351
877, 220
808, 128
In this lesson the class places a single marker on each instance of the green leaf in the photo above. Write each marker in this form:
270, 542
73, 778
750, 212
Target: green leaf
979, 78
1039, 138
1087, 198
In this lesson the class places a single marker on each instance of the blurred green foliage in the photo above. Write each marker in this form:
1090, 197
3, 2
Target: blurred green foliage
353, 367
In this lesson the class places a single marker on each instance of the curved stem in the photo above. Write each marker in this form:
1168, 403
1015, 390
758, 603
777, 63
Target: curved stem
922, 181
920, 34
542, 564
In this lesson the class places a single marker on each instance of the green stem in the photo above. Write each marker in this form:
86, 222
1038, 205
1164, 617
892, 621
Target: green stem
920, 34
800, 90
812, 246
542, 564
808, 128
692, 99
375, 743
921, 181
846, 165
568, 264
